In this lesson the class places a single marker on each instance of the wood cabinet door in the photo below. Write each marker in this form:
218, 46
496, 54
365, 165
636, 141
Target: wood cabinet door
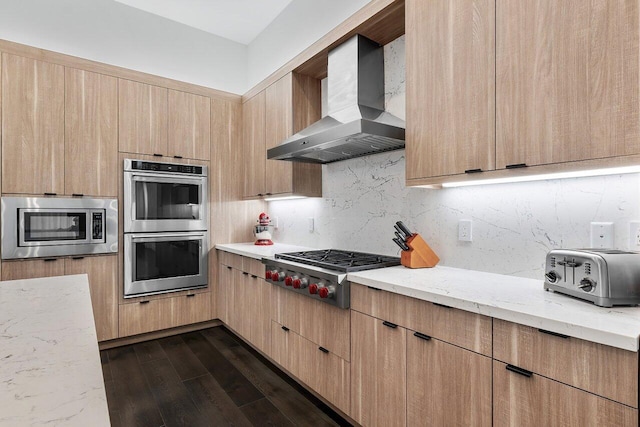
446, 384
225, 292
519, 400
103, 283
142, 112
32, 126
189, 125
91, 133
259, 293
378, 372
279, 126
253, 143
450, 87
31, 269
567, 81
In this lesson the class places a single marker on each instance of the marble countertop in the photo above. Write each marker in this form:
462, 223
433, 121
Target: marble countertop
50, 370
511, 298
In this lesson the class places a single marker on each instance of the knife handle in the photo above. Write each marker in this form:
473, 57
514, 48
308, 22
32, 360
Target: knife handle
401, 244
401, 237
400, 232
404, 228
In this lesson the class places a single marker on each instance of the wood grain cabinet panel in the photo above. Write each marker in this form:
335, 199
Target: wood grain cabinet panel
447, 385
142, 111
567, 80
285, 348
189, 125
535, 401
31, 269
103, 283
254, 148
279, 126
32, 126
450, 87
378, 372
91, 133
597, 368
465, 329
225, 293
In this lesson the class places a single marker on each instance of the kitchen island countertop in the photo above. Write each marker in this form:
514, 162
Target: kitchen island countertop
510, 298
50, 367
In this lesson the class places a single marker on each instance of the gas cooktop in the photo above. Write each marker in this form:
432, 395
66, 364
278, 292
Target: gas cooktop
321, 274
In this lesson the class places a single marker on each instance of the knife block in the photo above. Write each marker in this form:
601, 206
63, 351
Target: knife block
420, 255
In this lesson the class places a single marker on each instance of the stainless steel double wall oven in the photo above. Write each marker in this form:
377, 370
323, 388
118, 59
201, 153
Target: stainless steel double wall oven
165, 227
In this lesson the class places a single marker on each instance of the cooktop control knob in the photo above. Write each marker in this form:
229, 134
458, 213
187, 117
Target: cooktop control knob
313, 288
300, 283
277, 276
267, 274
289, 280
587, 284
552, 277
326, 292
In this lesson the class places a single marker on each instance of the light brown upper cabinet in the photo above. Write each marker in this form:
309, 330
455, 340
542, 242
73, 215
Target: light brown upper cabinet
91, 133
567, 81
142, 118
189, 125
284, 108
32, 126
450, 78
255, 154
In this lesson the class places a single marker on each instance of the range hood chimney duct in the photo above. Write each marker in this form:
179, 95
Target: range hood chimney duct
356, 124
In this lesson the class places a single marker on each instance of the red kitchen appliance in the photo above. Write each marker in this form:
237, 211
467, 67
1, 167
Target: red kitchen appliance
262, 231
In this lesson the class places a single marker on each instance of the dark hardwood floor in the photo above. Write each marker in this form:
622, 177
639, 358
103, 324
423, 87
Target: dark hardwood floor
205, 378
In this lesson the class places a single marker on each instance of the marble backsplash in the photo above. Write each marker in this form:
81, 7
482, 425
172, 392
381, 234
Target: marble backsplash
514, 225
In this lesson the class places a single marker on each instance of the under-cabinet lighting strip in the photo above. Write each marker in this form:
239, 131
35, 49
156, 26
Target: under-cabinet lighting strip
542, 177
273, 199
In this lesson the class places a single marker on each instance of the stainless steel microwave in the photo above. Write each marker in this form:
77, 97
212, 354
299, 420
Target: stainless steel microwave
34, 227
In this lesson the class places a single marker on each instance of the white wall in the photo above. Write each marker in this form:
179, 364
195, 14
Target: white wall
110, 32
514, 225
299, 25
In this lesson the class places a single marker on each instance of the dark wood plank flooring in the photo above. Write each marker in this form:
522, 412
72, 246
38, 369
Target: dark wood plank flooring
205, 378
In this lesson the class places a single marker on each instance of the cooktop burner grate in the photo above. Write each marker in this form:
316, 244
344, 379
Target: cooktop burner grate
343, 261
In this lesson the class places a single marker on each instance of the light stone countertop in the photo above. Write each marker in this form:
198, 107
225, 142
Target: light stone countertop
50, 370
511, 298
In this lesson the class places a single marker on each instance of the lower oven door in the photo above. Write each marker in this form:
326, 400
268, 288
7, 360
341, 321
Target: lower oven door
164, 262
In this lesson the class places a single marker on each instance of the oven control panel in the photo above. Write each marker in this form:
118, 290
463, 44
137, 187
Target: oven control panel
97, 225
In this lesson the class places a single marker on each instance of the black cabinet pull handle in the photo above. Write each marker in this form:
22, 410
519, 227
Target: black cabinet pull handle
374, 289
50, 259
324, 350
254, 276
77, 257
157, 155
389, 324
177, 157
284, 328
516, 166
260, 194
144, 302
421, 336
555, 334
267, 194
473, 170
245, 273
77, 195
50, 194
520, 371
440, 305
228, 267
191, 295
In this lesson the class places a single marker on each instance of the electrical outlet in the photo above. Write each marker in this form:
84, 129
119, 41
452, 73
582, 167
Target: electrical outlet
465, 230
274, 222
602, 235
311, 224
634, 236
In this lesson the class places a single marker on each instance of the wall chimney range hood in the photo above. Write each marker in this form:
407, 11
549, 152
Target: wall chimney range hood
356, 124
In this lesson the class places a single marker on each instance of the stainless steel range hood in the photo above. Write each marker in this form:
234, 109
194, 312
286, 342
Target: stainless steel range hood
356, 124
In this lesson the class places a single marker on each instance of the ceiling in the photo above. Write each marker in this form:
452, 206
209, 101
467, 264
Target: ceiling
237, 20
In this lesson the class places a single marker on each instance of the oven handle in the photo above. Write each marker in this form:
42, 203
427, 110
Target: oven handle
159, 237
143, 177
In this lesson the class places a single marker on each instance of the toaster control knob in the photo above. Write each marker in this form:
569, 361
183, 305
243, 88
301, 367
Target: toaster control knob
552, 277
587, 284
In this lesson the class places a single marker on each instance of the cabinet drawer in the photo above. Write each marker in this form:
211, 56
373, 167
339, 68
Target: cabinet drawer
255, 267
519, 400
468, 330
164, 313
232, 260
320, 369
323, 324
600, 369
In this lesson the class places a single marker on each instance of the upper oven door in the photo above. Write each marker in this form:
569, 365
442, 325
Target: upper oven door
164, 202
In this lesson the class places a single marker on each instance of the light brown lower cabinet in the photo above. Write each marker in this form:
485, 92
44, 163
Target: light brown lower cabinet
317, 367
523, 400
102, 272
154, 315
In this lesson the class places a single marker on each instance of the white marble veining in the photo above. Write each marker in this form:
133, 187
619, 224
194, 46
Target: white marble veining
50, 371
510, 298
258, 252
514, 225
